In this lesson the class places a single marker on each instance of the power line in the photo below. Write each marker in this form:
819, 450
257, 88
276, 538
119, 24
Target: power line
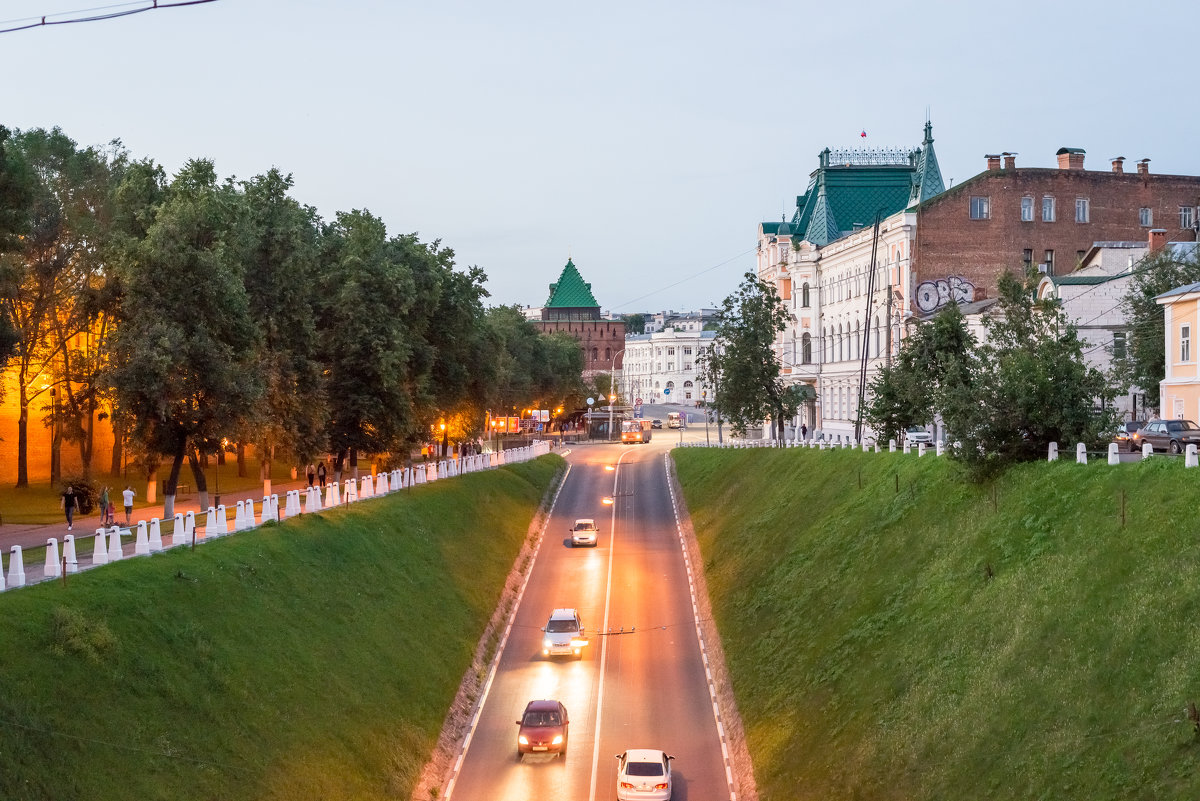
685, 280
46, 20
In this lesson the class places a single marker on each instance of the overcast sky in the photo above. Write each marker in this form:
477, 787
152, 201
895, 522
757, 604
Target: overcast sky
646, 140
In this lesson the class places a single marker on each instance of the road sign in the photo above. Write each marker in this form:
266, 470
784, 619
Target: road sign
667, 391
591, 401
638, 401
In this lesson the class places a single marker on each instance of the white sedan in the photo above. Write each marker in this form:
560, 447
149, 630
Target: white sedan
643, 774
583, 532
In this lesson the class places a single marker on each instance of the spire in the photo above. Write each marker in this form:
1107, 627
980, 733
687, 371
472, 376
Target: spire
571, 290
822, 227
927, 178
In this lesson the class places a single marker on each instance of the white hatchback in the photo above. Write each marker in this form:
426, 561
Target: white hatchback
643, 774
564, 634
583, 532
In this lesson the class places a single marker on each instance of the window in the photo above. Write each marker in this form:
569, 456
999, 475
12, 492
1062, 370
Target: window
804, 295
608, 354
595, 354
1118, 346
1048, 208
1185, 216
1049, 262
806, 349
1079, 254
1026, 209
1027, 257
979, 208
1145, 217
687, 351
687, 365
670, 351
1081, 209
1185, 343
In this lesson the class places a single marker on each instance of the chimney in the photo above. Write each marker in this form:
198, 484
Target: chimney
993, 161
1144, 167
1010, 161
1119, 165
1070, 158
1158, 239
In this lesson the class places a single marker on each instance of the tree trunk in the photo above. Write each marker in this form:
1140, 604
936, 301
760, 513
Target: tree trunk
241, 459
339, 462
87, 447
200, 479
172, 483
23, 441
354, 463
55, 445
118, 449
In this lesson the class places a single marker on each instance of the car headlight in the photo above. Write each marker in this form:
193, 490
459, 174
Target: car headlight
557, 740
578, 643
523, 740
546, 643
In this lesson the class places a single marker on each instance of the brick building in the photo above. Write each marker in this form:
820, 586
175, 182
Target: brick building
572, 309
1008, 216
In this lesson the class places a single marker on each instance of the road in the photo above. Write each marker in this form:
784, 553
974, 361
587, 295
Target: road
644, 688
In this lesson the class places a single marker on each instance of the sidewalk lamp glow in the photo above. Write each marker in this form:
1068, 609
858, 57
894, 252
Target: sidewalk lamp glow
609, 468
607, 500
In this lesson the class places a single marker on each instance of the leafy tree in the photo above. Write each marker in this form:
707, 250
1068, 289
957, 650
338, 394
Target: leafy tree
1027, 387
184, 363
14, 222
634, 323
934, 358
742, 365
1144, 364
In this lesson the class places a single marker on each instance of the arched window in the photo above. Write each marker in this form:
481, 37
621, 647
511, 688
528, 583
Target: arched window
687, 384
840, 343
857, 342
595, 354
804, 295
806, 349
608, 354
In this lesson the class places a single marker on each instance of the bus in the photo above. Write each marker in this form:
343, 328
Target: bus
635, 430
674, 420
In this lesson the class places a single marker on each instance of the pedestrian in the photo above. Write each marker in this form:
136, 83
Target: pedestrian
112, 514
311, 472
321, 474
70, 501
104, 506
804, 431
128, 496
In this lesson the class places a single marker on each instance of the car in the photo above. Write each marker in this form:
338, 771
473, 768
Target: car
916, 434
542, 729
1124, 436
564, 634
583, 532
1172, 436
643, 774
656, 423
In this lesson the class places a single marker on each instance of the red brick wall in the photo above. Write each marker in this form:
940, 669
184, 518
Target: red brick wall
949, 242
597, 334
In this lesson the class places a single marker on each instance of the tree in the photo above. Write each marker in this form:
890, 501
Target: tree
1144, 364
14, 222
634, 323
183, 365
743, 366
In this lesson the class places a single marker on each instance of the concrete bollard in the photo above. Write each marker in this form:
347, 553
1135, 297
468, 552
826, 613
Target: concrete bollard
266, 509
1114, 453
141, 545
179, 531
334, 495
115, 554
877, 447
156, 543
69, 554
891, 446
210, 523
1053, 455
866, 446
250, 521
381, 485
239, 518
1189, 459
1080, 453
53, 568
1147, 450
350, 495
920, 449
367, 488
100, 548
275, 506
222, 521
189, 526
16, 568
906, 447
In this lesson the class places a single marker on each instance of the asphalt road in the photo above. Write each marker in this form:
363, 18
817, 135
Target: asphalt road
644, 688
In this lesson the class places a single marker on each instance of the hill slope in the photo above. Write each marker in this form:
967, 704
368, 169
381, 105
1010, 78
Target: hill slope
316, 659
922, 638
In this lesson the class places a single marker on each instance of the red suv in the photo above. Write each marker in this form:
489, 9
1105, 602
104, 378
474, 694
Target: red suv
543, 729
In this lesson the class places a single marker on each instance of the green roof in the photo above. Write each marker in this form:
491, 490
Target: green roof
571, 291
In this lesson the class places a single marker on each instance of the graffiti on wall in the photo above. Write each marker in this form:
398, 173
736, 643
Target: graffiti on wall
932, 295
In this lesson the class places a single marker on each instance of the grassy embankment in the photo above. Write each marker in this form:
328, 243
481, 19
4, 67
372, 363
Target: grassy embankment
942, 642
316, 659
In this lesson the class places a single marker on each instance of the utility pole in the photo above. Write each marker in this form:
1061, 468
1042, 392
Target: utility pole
866, 344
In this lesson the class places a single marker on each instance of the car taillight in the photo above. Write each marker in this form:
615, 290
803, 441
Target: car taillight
660, 786
626, 786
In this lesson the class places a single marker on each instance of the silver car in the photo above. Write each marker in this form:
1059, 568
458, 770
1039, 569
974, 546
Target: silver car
643, 773
583, 532
564, 634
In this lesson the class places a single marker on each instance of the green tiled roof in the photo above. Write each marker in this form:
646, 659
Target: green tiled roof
571, 291
927, 180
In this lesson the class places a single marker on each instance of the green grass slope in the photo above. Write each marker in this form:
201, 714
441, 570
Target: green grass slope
953, 641
312, 660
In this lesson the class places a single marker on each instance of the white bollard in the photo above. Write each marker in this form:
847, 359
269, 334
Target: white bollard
941, 447
381, 484
1052, 456
906, 446
239, 518
222, 521
1114, 453
179, 531
866, 446
250, 521
210, 523
69, 554
275, 507
292, 505
891, 446
16, 568
1147, 450
334, 498
366, 490
189, 527
920, 449
115, 553
53, 568
1189, 459
1080, 453
100, 548
350, 492
266, 509
141, 545
156, 543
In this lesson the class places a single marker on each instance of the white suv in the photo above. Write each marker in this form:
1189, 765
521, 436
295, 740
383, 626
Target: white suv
564, 634
918, 434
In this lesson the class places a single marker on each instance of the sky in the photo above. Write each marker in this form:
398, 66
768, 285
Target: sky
643, 140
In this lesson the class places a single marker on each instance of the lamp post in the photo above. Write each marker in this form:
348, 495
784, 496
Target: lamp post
703, 397
612, 395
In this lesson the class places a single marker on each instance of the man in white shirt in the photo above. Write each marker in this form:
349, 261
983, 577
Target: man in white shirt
128, 496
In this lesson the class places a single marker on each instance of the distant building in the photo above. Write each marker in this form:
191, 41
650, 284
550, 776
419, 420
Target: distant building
661, 367
572, 309
692, 321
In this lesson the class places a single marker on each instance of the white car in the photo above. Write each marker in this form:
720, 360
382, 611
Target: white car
583, 532
918, 434
643, 774
564, 634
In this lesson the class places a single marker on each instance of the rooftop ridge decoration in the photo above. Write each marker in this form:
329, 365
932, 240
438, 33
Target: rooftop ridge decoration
870, 156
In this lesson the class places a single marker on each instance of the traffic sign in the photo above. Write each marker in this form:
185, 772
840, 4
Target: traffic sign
638, 401
667, 391
591, 401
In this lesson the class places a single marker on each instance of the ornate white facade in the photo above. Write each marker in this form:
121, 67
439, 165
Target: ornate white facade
662, 361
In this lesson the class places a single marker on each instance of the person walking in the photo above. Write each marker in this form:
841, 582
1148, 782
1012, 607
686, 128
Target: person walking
804, 431
104, 507
311, 473
127, 495
70, 501
321, 474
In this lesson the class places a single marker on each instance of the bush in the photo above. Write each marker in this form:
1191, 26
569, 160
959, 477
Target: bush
85, 493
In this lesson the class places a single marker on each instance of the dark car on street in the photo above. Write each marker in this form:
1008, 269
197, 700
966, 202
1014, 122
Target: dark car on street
543, 729
656, 424
1172, 436
1125, 436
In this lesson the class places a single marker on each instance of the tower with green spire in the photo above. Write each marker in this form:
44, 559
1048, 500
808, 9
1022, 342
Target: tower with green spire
572, 309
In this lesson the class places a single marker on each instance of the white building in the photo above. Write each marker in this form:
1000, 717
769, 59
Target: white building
681, 321
661, 367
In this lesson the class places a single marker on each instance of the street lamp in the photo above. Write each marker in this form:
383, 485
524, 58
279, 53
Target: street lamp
612, 396
703, 397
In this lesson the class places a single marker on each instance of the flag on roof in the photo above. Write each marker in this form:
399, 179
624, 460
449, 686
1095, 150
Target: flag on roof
863, 134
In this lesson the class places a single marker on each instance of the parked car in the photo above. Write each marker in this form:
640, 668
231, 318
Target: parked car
656, 423
583, 532
564, 634
1172, 436
543, 729
1125, 435
643, 774
917, 434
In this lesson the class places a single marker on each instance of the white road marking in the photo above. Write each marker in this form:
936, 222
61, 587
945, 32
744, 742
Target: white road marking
503, 641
